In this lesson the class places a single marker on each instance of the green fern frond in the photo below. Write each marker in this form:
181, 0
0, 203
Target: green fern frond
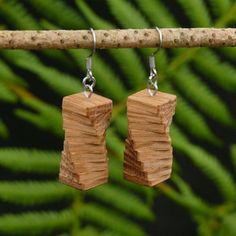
33, 193
228, 225
204, 229
59, 57
108, 82
30, 161
220, 73
196, 11
53, 9
190, 119
233, 155
6, 95
8, 76
88, 231
125, 58
157, 13
229, 52
32, 118
121, 124
220, 7
4, 132
123, 10
61, 83
209, 165
46, 117
187, 193
114, 143
91, 231
189, 202
197, 92
92, 17
36, 223
16, 15
122, 200
110, 220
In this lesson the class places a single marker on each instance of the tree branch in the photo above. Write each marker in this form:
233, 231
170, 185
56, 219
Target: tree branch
125, 38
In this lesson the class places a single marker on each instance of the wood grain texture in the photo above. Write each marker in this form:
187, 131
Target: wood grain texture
84, 162
118, 38
148, 152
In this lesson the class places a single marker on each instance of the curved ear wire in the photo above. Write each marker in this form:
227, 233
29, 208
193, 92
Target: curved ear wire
89, 81
153, 78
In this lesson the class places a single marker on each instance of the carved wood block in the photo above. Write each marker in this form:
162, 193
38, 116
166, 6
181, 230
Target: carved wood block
84, 162
148, 153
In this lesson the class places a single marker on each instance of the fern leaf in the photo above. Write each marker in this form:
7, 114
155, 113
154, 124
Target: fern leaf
4, 132
36, 223
220, 73
6, 95
59, 58
220, 7
228, 225
121, 125
196, 91
16, 15
229, 52
107, 82
123, 10
187, 193
122, 200
197, 12
92, 17
125, 58
53, 9
203, 228
33, 193
63, 84
32, 118
114, 143
187, 202
190, 119
8, 76
100, 216
30, 161
91, 231
47, 117
209, 165
233, 155
157, 13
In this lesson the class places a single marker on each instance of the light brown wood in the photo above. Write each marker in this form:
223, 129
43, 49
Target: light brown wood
118, 38
148, 152
84, 162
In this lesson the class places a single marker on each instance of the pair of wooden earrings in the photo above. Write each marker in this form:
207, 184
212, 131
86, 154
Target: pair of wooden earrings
148, 152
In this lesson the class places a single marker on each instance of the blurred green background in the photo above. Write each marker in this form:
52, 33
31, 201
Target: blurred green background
200, 198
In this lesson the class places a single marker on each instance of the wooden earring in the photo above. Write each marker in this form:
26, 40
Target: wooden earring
148, 152
84, 162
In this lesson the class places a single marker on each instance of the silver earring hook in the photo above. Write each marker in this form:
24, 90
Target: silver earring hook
94, 42
89, 81
153, 77
160, 40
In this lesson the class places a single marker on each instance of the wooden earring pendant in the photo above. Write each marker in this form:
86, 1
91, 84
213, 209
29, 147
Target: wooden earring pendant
84, 162
148, 152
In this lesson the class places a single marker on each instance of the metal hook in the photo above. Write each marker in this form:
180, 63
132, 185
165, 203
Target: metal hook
153, 78
94, 42
89, 81
160, 40
89, 58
